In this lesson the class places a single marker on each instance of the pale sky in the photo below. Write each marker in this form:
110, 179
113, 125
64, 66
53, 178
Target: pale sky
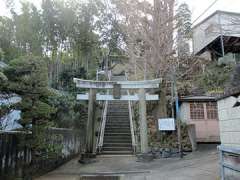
196, 6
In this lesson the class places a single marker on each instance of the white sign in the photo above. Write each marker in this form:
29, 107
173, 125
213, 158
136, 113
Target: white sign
166, 124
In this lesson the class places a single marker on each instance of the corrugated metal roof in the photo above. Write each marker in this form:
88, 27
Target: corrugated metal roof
197, 98
232, 92
215, 13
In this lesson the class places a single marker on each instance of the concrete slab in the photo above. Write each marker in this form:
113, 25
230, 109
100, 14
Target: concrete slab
195, 166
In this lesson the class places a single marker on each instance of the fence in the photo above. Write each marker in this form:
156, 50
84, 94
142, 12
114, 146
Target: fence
229, 162
16, 157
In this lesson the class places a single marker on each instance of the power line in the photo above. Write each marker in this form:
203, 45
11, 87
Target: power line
205, 11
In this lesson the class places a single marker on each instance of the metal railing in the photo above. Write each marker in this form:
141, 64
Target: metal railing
223, 150
103, 119
102, 127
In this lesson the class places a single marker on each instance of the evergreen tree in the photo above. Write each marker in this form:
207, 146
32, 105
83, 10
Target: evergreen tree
27, 77
183, 30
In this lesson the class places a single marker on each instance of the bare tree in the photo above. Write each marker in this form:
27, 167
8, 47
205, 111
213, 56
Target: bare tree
150, 29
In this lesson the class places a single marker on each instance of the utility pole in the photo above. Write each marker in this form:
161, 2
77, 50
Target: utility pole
178, 120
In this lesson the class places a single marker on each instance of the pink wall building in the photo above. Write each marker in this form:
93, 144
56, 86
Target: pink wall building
202, 112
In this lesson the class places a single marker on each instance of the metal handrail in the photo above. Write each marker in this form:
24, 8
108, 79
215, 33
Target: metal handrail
131, 121
224, 165
132, 126
103, 120
103, 124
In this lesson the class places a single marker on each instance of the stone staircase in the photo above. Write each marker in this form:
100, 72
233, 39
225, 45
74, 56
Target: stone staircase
117, 135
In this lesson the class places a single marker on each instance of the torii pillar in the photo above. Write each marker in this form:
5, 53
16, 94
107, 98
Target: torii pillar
90, 122
143, 122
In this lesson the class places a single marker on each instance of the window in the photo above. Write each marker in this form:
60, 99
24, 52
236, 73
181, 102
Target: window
212, 110
196, 111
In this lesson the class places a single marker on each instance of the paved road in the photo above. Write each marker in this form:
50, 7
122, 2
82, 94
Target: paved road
201, 165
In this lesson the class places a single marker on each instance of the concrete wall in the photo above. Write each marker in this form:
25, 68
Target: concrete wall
207, 31
207, 130
15, 154
229, 119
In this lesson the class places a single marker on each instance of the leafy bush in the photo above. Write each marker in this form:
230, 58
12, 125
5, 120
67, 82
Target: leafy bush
215, 77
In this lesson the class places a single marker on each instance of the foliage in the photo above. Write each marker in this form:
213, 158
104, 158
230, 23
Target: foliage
235, 79
3, 80
66, 78
8, 49
184, 31
184, 16
27, 77
69, 114
66, 32
215, 77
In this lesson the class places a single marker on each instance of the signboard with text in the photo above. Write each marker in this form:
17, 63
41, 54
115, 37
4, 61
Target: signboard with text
166, 124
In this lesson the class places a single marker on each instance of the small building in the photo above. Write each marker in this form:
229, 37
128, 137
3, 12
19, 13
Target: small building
218, 35
201, 111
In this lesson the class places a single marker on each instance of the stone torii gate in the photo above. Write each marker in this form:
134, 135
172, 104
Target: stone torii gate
116, 86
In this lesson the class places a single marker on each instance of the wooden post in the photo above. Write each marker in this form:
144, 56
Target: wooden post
143, 121
90, 122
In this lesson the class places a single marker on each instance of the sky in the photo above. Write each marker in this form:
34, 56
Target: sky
196, 6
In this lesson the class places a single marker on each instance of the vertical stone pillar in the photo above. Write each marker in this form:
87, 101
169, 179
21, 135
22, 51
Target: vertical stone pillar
90, 122
143, 121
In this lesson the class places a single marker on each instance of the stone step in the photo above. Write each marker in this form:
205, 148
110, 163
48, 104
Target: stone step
123, 107
118, 134
128, 140
117, 138
117, 148
118, 144
126, 119
118, 108
117, 131
117, 118
116, 126
118, 121
117, 152
118, 114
